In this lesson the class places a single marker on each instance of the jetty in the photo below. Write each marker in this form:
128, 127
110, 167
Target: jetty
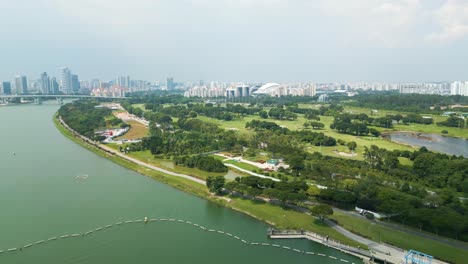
366, 255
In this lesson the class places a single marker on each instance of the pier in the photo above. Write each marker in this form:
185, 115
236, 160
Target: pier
366, 255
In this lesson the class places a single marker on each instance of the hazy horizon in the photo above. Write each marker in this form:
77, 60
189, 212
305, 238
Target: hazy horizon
256, 40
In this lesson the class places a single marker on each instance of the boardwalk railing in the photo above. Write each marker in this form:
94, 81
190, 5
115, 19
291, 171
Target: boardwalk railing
325, 240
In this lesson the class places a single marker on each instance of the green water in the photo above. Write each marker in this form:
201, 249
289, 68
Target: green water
40, 198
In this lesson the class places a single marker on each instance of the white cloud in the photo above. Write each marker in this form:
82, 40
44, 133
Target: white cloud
383, 22
452, 17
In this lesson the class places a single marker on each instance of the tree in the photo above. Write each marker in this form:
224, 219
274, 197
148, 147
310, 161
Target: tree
352, 146
374, 132
322, 211
215, 184
263, 114
317, 125
193, 114
306, 125
397, 118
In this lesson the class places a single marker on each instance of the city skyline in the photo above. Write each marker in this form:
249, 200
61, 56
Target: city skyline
280, 41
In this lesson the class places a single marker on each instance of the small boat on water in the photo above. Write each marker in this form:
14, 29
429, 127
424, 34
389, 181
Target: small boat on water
81, 177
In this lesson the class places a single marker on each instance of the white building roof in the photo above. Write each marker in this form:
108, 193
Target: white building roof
267, 88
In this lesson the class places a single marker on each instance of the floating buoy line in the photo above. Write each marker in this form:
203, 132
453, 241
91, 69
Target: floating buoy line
146, 220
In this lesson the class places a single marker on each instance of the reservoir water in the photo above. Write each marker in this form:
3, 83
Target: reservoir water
434, 142
41, 197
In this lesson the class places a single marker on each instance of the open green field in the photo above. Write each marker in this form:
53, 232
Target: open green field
147, 157
361, 141
400, 239
243, 165
288, 219
432, 128
137, 131
141, 106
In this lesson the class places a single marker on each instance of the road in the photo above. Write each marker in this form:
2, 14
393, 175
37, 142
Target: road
149, 166
406, 230
118, 153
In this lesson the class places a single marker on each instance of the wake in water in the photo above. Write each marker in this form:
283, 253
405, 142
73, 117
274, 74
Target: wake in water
81, 177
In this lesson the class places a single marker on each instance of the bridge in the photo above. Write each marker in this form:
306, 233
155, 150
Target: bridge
59, 97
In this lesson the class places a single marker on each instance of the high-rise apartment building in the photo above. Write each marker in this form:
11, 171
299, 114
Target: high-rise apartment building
123, 81
170, 83
66, 81
21, 84
45, 83
459, 88
6, 87
75, 83
54, 86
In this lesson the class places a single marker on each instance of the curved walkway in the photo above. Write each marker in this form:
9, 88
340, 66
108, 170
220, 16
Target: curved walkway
447, 241
141, 163
251, 173
123, 156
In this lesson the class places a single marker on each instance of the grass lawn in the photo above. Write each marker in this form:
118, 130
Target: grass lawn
432, 128
400, 239
288, 219
137, 131
326, 120
141, 106
147, 157
243, 165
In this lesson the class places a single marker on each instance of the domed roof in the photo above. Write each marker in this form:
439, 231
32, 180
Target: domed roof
267, 88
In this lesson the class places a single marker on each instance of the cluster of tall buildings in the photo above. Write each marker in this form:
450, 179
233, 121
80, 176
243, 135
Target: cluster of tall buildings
459, 88
425, 88
69, 83
49, 85
21, 85
236, 90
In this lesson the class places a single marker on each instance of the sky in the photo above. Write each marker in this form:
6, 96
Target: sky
243, 40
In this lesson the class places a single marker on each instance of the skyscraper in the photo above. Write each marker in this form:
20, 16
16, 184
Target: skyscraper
21, 84
54, 86
45, 84
123, 81
75, 83
170, 83
6, 87
66, 81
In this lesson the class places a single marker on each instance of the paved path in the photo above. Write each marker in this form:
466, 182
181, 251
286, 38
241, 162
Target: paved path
118, 153
251, 173
447, 241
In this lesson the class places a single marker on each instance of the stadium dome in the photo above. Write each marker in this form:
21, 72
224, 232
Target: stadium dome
267, 88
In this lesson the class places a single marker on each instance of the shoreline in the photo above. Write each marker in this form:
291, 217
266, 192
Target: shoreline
388, 132
186, 186
181, 184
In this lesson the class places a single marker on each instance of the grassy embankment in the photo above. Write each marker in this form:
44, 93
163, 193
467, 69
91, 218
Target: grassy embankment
274, 215
137, 131
169, 165
403, 240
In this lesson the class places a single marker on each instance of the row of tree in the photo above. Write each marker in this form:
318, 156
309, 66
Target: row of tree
202, 162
